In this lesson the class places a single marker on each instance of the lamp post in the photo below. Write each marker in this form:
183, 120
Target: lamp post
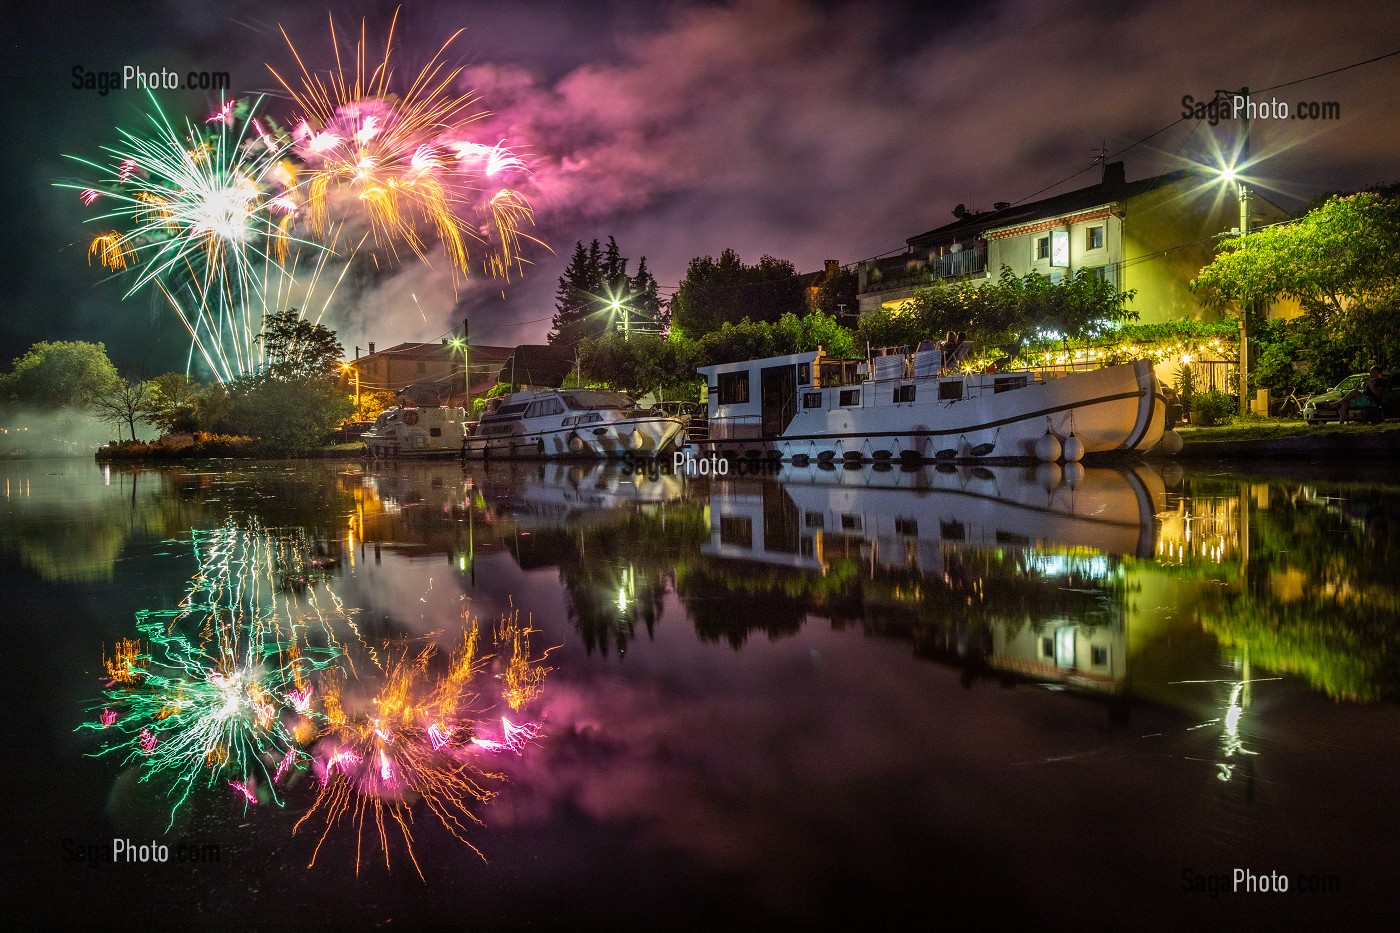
351, 367
626, 318
1242, 191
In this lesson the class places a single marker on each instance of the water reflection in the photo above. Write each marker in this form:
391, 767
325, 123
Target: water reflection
261, 684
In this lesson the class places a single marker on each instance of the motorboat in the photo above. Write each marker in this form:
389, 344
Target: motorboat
561, 423
409, 431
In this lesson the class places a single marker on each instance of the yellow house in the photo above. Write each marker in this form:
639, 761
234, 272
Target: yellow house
1152, 235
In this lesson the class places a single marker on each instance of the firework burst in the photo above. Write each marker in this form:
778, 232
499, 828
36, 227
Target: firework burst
201, 213
403, 160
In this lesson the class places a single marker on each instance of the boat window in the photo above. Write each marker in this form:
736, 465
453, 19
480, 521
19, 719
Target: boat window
950, 389
509, 411
850, 522
811, 400
733, 388
1009, 383
815, 520
904, 394
907, 527
736, 530
545, 406
590, 419
850, 397
435, 432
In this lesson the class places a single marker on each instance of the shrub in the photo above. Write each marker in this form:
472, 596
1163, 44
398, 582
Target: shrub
1211, 408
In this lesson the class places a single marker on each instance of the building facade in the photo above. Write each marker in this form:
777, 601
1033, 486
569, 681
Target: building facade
1152, 235
430, 366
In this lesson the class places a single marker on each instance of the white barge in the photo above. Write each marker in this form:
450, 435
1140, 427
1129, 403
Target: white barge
559, 423
409, 431
808, 407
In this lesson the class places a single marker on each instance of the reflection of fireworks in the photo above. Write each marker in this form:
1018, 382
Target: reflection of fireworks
206, 212
222, 693
417, 740
404, 159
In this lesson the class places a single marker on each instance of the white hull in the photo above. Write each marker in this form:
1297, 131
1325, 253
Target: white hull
416, 432
1114, 410
556, 425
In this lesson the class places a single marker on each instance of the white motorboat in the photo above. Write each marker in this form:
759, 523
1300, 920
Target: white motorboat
416, 432
919, 406
558, 423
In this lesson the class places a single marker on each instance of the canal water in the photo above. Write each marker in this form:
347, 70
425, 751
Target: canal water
296, 695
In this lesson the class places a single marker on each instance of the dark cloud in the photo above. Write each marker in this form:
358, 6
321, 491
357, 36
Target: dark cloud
806, 130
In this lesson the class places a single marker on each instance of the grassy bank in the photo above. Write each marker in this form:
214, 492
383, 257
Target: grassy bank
1277, 429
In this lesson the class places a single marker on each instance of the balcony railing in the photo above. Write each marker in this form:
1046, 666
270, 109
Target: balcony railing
907, 272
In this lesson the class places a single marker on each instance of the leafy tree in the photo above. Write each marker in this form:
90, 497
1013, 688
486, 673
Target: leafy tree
291, 415
645, 302
58, 374
295, 348
373, 402
123, 402
1336, 257
725, 290
836, 291
171, 406
1006, 313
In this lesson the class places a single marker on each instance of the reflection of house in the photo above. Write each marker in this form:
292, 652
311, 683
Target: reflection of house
438, 365
1152, 235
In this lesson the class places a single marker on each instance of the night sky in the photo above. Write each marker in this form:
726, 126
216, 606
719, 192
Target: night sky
808, 131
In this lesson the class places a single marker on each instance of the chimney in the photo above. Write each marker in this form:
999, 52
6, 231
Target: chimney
1113, 173
444, 341
371, 348
833, 266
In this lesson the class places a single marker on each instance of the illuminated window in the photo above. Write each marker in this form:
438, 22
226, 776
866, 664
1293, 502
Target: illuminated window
1093, 238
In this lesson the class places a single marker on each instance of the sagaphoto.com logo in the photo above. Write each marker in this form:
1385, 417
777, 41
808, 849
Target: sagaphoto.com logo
1242, 107
137, 78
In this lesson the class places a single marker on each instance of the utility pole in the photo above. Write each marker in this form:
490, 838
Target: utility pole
1242, 158
466, 365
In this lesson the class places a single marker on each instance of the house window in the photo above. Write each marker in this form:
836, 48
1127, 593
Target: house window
1100, 656
804, 374
1042, 247
1094, 238
904, 394
1047, 647
850, 397
733, 388
950, 391
811, 400
1098, 272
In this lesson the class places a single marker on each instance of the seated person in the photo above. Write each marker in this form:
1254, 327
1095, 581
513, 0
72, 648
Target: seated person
1371, 392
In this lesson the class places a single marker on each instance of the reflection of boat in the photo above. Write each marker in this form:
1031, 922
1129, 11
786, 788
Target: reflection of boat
416, 432
1109, 510
916, 407
583, 423
1011, 569
560, 495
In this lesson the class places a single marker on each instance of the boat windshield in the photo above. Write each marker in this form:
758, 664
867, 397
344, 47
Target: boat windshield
588, 399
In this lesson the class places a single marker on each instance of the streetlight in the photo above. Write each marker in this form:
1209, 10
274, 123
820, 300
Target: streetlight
626, 317
350, 367
1230, 175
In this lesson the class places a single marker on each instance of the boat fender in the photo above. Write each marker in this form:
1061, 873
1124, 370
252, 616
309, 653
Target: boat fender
826, 456
981, 450
882, 455
800, 460
1074, 472
1074, 449
1049, 475
1170, 444
853, 455
947, 453
539, 447
1048, 448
